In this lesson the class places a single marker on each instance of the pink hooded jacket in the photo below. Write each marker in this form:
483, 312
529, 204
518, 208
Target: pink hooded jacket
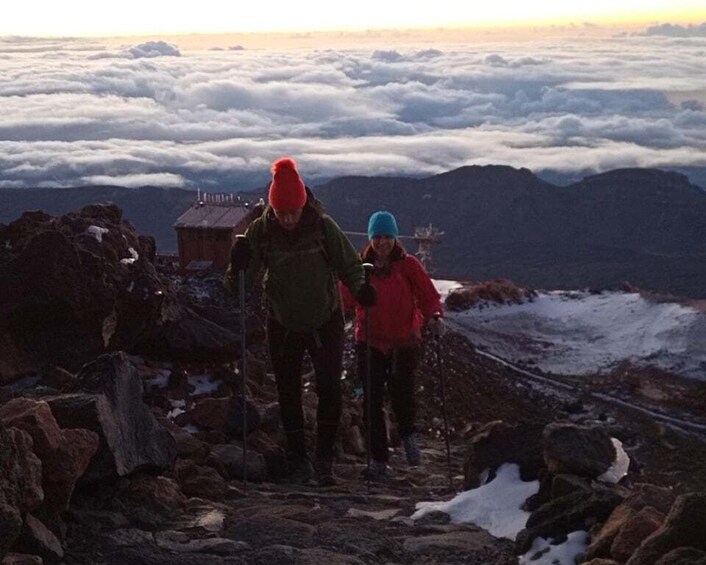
406, 300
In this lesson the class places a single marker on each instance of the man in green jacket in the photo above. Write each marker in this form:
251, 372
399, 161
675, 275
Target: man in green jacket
302, 253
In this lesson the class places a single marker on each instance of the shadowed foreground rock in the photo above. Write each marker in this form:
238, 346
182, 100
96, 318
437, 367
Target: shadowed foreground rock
20, 483
81, 284
110, 404
64, 454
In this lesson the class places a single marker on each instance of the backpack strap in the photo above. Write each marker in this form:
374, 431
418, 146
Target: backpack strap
320, 238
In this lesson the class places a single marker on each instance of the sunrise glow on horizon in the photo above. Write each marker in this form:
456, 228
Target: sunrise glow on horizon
133, 17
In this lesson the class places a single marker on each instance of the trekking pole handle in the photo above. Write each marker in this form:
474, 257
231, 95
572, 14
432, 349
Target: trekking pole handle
436, 316
368, 268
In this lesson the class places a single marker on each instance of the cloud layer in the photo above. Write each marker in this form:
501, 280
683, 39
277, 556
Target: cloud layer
75, 112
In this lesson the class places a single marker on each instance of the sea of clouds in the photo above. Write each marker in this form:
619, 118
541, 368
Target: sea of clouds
76, 112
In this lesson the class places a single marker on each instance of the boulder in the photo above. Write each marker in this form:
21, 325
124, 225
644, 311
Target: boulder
635, 530
227, 459
37, 539
159, 493
64, 454
110, 404
225, 415
578, 510
275, 456
198, 480
20, 483
502, 291
642, 496
683, 556
497, 443
187, 446
585, 451
684, 527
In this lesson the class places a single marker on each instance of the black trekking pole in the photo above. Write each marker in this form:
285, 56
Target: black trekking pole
368, 267
442, 381
243, 370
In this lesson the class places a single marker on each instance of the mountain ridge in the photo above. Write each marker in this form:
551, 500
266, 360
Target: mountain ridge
646, 226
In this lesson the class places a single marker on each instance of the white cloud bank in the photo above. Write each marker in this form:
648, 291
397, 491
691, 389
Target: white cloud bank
77, 112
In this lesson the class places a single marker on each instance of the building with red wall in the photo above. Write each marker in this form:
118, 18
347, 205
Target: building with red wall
206, 231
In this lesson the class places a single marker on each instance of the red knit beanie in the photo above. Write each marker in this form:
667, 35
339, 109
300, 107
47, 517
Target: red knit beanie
287, 191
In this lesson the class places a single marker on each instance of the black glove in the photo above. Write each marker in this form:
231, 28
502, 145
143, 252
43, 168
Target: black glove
367, 295
239, 255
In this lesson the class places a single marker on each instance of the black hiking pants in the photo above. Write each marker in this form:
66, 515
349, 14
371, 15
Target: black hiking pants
391, 372
325, 348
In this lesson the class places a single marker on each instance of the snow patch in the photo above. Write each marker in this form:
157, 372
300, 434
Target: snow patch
619, 468
494, 506
577, 333
203, 384
445, 287
561, 554
174, 413
97, 232
159, 380
134, 256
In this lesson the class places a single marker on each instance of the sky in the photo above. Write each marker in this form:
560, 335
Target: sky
214, 111
130, 17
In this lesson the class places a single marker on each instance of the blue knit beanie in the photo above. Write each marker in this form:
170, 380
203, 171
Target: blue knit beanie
382, 223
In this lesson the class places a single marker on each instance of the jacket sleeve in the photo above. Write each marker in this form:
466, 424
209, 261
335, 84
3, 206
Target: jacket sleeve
254, 235
427, 297
344, 259
349, 303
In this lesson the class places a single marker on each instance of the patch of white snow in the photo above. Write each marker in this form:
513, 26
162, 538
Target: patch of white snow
174, 413
445, 287
561, 554
159, 380
576, 333
203, 384
619, 468
134, 256
494, 506
97, 232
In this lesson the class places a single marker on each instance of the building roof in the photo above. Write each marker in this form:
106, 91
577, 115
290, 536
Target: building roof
214, 216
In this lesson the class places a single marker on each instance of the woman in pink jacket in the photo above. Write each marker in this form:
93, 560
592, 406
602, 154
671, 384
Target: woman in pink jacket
406, 300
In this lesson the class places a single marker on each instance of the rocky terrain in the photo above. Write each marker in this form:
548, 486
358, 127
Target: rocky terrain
121, 427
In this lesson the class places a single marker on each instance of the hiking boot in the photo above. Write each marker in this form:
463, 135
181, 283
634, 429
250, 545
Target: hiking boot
300, 469
323, 473
376, 472
411, 450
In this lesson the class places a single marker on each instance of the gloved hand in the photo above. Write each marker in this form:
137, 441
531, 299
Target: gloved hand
436, 326
367, 295
239, 255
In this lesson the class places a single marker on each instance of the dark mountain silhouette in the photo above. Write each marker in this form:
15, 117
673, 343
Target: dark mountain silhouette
645, 226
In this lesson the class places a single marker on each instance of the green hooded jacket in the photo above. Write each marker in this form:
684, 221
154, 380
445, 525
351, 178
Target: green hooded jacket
301, 269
